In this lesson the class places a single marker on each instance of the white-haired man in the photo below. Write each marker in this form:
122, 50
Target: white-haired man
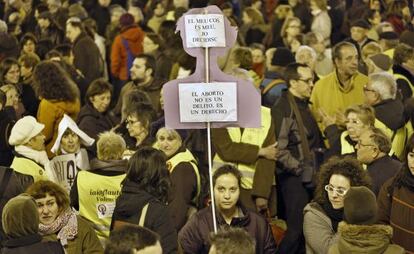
380, 92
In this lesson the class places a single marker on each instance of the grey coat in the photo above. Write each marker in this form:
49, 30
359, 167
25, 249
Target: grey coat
318, 230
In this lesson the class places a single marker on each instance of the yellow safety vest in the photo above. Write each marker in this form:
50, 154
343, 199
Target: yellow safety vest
97, 196
399, 76
186, 156
399, 139
29, 167
254, 136
346, 147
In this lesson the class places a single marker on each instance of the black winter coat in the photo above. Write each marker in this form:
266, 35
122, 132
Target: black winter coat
7, 120
31, 244
391, 113
194, 236
287, 134
15, 185
92, 122
87, 58
29, 99
381, 170
158, 219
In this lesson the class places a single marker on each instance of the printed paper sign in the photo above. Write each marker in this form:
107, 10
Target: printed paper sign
105, 210
205, 30
208, 102
65, 169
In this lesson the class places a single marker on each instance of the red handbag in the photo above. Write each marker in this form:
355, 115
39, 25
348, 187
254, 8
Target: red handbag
278, 227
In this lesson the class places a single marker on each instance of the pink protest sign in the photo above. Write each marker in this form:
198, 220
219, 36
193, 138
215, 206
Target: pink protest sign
248, 97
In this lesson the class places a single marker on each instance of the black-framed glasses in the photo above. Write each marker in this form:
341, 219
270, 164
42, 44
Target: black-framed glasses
340, 191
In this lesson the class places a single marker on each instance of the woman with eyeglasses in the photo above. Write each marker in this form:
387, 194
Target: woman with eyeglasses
343, 137
322, 215
139, 116
291, 33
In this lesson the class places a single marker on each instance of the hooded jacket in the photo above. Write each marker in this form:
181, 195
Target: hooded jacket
194, 236
50, 113
366, 239
128, 209
21, 225
134, 36
16, 184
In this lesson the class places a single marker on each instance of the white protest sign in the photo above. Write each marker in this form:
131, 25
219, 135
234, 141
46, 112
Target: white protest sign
208, 102
205, 30
65, 169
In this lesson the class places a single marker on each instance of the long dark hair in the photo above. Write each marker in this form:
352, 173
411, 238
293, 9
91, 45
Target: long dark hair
53, 83
148, 169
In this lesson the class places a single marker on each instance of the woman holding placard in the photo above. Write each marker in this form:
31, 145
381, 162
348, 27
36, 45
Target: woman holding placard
194, 236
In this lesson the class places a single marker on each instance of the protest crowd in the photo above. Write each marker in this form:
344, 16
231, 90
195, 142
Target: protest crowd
88, 163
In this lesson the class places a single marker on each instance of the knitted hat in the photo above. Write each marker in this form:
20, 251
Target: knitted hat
382, 61
388, 35
407, 37
360, 206
24, 130
126, 20
282, 57
361, 23
20, 216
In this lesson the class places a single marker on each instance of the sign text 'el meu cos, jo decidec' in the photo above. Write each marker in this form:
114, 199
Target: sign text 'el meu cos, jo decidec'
205, 30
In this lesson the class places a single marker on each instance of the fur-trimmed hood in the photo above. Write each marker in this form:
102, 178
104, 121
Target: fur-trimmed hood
367, 239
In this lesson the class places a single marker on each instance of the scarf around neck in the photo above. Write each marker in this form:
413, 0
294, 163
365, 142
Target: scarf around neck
40, 157
65, 226
336, 215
